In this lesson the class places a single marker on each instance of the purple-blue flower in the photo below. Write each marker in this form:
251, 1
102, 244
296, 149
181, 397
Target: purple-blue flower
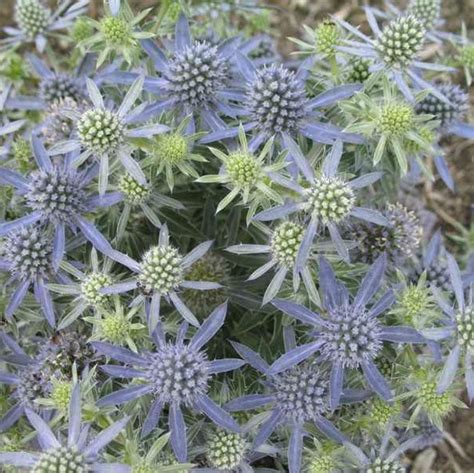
395, 53
76, 453
275, 103
296, 395
194, 78
351, 335
325, 201
161, 273
458, 329
176, 375
35, 21
57, 196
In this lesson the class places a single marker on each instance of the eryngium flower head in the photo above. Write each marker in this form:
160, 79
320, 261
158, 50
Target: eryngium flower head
351, 336
100, 130
91, 286
211, 267
116, 30
243, 169
60, 87
400, 41
178, 374
329, 199
426, 11
465, 328
161, 270
385, 466
61, 460
399, 240
58, 194
225, 450
29, 253
286, 241
134, 192
276, 99
58, 124
446, 113
396, 119
358, 69
327, 38
437, 274
171, 148
32, 17
301, 393
196, 74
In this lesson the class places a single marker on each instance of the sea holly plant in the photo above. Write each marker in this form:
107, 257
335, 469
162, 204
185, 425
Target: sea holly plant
161, 274
35, 21
352, 335
74, 453
247, 175
160, 164
104, 132
185, 385
326, 201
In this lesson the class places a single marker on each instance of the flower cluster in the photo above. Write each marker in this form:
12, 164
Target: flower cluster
222, 255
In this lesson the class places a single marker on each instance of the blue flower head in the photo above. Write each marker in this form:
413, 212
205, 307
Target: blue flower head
177, 375
325, 201
161, 273
73, 455
352, 335
36, 21
295, 396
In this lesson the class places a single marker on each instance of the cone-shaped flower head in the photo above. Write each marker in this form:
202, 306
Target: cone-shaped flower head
276, 100
447, 113
465, 328
428, 12
351, 337
285, 242
100, 130
329, 199
57, 193
60, 87
32, 17
196, 74
161, 270
225, 450
61, 460
29, 253
400, 41
178, 373
301, 393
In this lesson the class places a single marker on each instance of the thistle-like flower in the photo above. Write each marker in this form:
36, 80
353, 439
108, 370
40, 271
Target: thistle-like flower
27, 254
276, 104
58, 198
115, 35
194, 79
172, 152
296, 395
284, 243
457, 330
450, 115
36, 21
184, 386
395, 51
327, 200
75, 455
103, 133
393, 124
161, 273
400, 240
352, 335
247, 176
